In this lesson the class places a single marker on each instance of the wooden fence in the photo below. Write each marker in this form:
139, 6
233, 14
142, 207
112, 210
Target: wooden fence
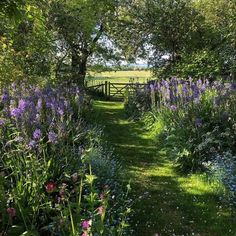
115, 90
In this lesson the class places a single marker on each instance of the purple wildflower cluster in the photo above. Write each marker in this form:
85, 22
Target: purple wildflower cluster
199, 114
175, 93
39, 113
43, 139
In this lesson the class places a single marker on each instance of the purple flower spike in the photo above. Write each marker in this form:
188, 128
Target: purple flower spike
199, 83
152, 87
23, 104
173, 107
39, 104
32, 144
37, 134
52, 137
5, 96
60, 111
15, 112
233, 86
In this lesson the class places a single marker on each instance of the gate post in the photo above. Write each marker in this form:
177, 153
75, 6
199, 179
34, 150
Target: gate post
109, 90
102, 85
105, 89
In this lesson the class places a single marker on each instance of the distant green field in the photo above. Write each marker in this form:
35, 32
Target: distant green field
140, 76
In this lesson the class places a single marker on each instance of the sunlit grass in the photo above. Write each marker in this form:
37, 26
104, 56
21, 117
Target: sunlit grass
200, 184
165, 201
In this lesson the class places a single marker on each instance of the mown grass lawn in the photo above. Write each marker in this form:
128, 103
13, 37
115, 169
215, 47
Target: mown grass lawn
165, 202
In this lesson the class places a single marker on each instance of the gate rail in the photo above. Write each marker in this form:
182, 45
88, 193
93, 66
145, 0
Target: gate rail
115, 90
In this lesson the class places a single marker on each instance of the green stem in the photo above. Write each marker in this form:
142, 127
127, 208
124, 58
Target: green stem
71, 220
80, 193
22, 215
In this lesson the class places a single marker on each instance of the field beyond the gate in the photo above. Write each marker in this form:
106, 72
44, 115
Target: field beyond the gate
140, 76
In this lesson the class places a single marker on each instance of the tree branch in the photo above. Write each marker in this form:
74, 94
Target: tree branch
96, 38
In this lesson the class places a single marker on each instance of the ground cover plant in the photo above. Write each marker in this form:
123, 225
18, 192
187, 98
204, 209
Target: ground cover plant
197, 121
55, 176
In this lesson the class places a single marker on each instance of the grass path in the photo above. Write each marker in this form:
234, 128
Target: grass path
164, 201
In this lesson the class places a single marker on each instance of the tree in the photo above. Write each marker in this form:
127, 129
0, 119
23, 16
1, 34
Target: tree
174, 29
220, 15
80, 26
25, 40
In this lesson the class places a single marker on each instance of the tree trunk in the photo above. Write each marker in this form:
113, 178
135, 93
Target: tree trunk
78, 68
74, 66
82, 71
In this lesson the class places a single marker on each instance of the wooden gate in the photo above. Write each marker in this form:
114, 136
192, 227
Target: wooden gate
115, 90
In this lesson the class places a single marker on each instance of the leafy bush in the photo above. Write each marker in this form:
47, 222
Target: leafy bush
198, 118
138, 103
51, 181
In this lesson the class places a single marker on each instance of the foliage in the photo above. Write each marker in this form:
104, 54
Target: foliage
82, 33
220, 17
60, 39
198, 119
224, 169
51, 163
24, 43
56, 39
199, 64
136, 104
173, 35
175, 27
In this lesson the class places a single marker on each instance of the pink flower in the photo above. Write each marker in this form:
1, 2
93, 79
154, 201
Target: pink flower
11, 212
84, 234
101, 210
85, 224
50, 187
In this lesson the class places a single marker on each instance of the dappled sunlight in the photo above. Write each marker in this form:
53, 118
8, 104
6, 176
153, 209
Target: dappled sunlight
164, 200
136, 146
197, 185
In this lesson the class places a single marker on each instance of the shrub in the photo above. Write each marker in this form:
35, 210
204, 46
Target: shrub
198, 118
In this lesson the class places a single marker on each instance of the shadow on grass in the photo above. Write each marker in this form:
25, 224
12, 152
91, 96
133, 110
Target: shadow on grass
162, 203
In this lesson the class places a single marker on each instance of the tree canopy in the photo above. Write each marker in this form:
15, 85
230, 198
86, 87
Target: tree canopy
60, 39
